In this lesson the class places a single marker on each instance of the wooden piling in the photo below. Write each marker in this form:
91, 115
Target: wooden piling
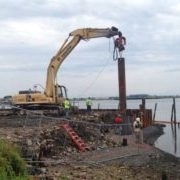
154, 115
173, 111
174, 102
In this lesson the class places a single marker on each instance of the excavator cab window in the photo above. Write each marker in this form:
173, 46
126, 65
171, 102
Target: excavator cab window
61, 91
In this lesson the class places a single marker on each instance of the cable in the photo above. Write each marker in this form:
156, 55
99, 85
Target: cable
98, 74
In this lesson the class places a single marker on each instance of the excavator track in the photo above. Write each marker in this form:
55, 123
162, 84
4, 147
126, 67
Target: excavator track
48, 110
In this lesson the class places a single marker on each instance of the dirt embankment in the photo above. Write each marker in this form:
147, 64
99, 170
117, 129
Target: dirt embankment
149, 163
132, 162
108, 159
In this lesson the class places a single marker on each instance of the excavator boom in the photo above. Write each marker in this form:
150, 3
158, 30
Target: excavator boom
67, 47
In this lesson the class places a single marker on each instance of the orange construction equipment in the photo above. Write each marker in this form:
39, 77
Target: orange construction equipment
75, 138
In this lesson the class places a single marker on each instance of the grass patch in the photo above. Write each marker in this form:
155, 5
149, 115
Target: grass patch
12, 166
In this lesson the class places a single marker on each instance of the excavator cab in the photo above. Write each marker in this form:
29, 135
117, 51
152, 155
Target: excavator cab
61, 93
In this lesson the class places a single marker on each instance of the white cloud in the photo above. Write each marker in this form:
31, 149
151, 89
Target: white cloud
175, 9
32, 32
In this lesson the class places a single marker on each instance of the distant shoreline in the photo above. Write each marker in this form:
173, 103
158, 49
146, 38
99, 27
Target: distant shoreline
130, 97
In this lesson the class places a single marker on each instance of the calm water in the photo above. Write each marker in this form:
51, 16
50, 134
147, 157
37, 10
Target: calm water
168, 142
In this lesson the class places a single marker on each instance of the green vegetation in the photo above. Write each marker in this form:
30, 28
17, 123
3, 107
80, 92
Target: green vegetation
12, 166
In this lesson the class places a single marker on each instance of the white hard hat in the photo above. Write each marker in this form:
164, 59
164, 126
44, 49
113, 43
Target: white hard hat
138, 119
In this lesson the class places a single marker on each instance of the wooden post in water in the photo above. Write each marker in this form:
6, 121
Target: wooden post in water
174, 102
143, 103
173, 111
173, 122
154, 115
174, 125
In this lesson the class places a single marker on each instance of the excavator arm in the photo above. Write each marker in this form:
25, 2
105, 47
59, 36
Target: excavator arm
69, 44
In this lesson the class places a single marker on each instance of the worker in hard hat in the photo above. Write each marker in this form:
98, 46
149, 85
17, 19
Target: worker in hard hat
67, 106
137, 126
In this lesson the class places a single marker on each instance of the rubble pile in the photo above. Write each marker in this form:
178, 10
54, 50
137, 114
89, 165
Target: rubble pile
50, 140
50, 152
53, 141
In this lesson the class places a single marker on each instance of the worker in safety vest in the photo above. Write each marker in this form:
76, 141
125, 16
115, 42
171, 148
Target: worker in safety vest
137, 126
88, 104
67, 106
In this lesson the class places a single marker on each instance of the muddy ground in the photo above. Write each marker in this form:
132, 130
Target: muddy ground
51, 154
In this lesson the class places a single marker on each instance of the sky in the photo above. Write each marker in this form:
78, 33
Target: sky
31, 33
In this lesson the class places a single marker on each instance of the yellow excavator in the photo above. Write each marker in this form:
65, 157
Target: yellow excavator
54, 94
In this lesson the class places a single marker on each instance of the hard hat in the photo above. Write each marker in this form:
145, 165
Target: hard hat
138, 119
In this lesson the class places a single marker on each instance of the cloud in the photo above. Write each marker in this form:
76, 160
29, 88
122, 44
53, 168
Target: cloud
32, 32
22, 68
